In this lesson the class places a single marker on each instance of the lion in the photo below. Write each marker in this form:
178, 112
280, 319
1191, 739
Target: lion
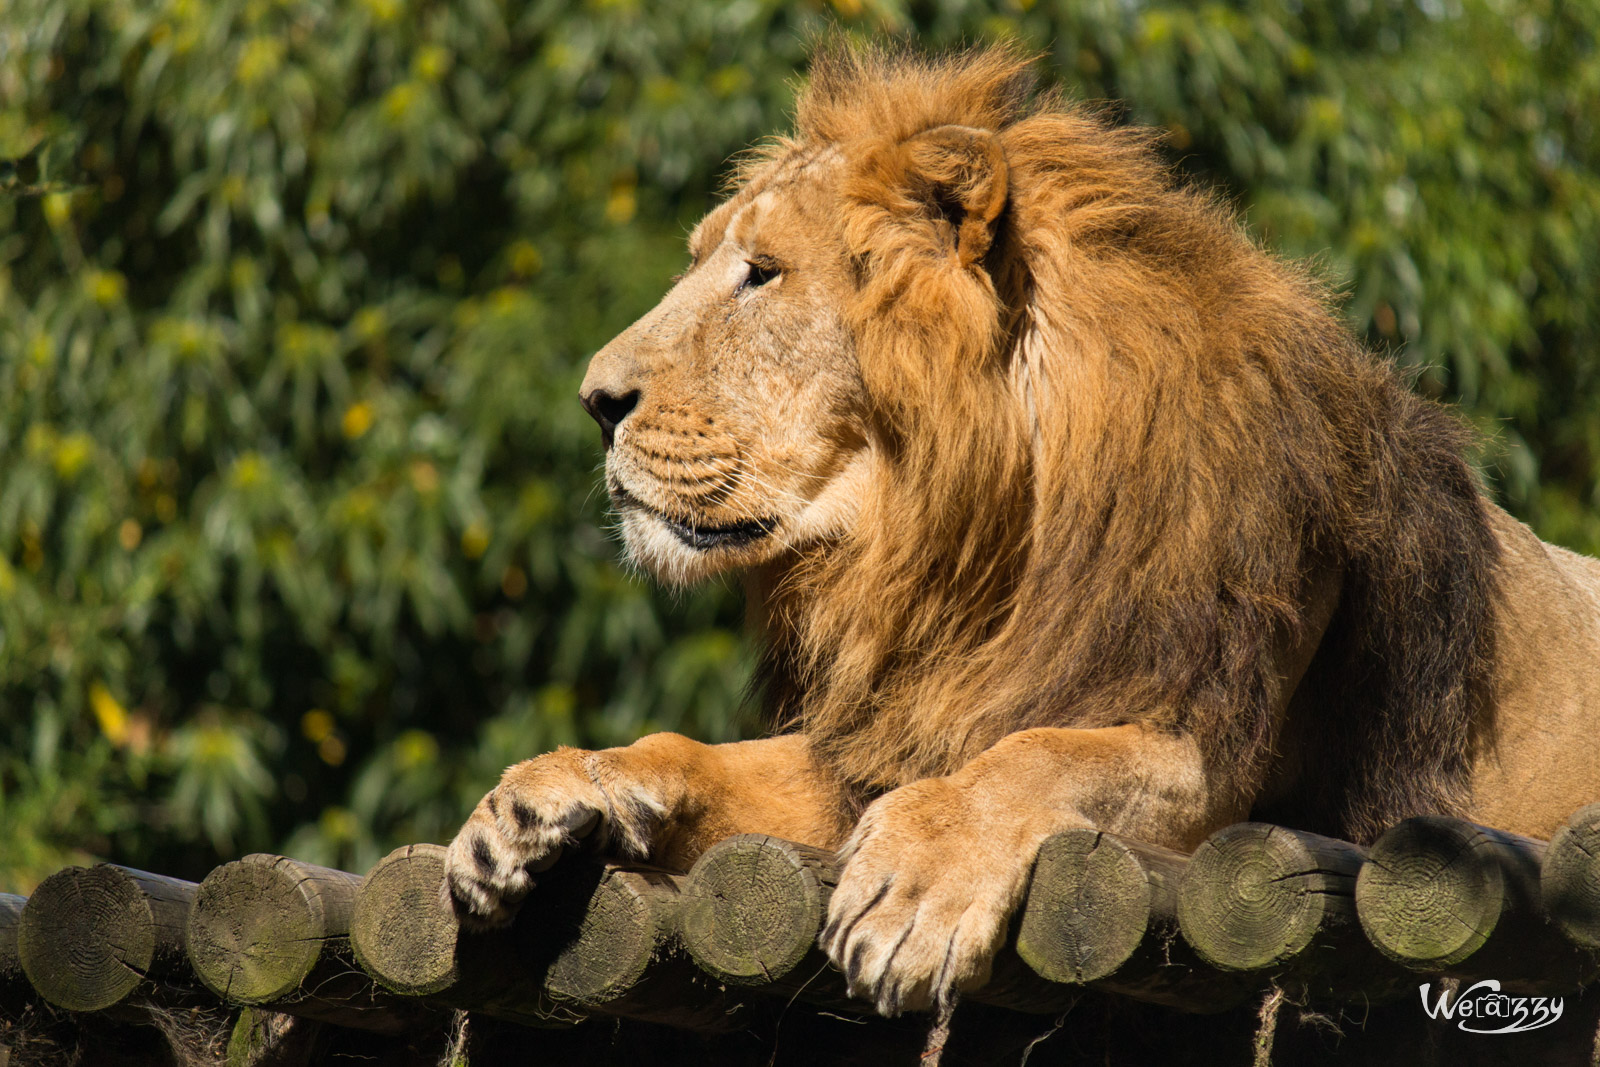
1059, 503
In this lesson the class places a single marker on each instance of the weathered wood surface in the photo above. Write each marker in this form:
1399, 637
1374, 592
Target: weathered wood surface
723, 961
269, 931
1103, 910
754, 906
1280, 903
91, 937
589, 937
1442, 895
11, 977
604, 937
1570, 878
263, 1038
751, 911
407, 936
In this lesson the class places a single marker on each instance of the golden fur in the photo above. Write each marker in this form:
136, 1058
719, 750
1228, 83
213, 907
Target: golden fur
1207, 434
1060, 503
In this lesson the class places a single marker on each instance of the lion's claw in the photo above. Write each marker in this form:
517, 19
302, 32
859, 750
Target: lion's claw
540, 808
922, 904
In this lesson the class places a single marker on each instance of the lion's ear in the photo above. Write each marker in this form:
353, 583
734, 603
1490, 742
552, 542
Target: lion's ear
958, 175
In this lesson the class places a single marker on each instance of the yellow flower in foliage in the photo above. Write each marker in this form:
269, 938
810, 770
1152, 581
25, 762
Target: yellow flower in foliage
475, 539
424, 477
731, 81
338, 824
105, 287
525, 259
247, 470
72, 454
369, 323
357, 420
431, 62
109, 713
622, 203
383, 10
40, 438
415, 748
259, 59
399, 101
58, 209
316, 725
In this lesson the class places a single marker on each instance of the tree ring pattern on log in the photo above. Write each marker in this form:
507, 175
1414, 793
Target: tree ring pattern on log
594, 942
89, 936
1089, 904
752, 907
1430, 897
397, 932
260, 925
1255, 896
1570, 881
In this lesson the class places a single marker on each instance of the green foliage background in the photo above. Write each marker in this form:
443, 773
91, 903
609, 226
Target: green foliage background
300, 537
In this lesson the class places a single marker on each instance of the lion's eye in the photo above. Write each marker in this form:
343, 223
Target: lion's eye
761, 272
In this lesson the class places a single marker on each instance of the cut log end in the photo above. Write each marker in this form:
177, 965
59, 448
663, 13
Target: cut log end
403, 931
1570, 881
753, 906
89, 936
592, 932
1089, 907
261, 924
1432, 893
1257, 896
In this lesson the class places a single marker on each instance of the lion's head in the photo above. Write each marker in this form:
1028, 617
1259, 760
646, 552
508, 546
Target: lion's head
1013, 429
733, 414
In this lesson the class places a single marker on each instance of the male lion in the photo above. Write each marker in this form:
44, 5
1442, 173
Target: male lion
1061, 503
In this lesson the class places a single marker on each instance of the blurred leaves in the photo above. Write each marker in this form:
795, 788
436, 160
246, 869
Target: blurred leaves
301, 540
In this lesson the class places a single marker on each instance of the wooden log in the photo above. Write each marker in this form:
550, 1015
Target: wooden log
262, 1038
589, 938
92, 936
11, 976
1569, 879
269, 931
1441, 894
1104, 910
754, 906
1281, 903
604, 938
406, 935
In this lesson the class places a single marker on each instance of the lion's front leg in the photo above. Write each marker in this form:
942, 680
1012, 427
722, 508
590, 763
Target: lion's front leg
935, 868
663, 799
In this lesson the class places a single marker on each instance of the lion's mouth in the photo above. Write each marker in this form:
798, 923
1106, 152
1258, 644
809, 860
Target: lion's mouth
694, 534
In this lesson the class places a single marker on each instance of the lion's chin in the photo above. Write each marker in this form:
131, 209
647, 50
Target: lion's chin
681, 553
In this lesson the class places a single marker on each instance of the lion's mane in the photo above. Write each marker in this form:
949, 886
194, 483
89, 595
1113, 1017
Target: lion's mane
1116, 454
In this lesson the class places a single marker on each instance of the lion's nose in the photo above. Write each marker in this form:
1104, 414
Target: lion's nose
609, 410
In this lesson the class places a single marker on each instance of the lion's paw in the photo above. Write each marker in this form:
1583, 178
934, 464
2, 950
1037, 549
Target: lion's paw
922, 903
540, 807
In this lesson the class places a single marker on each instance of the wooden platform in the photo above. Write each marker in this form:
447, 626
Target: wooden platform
1268, 945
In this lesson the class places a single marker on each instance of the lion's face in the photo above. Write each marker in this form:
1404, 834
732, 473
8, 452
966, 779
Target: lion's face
732, 412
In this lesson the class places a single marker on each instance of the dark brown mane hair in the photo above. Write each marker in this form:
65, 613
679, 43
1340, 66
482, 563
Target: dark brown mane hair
1116, 454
